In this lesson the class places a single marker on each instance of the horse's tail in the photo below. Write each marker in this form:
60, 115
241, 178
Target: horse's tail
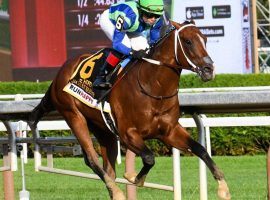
45, 106
14, 116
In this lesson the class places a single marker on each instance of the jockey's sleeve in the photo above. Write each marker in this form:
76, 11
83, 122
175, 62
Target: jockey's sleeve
124, 17
155, 31
118, 42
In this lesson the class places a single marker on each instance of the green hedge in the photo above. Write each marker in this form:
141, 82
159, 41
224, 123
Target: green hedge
225, 80
186, 81
23, 87
224, 141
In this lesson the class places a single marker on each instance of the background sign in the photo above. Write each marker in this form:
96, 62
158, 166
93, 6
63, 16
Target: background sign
194, 13
226, 24
221, 11
83, 33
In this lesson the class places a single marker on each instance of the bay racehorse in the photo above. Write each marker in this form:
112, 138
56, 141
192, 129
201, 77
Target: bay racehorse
144, 105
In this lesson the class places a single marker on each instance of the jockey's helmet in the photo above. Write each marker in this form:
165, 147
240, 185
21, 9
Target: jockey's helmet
155, 7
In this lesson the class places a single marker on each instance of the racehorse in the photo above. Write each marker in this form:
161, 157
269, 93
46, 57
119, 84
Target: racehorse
144, 105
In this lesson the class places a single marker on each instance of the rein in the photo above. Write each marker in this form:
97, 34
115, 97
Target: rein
170, 66
176, 41
155, 62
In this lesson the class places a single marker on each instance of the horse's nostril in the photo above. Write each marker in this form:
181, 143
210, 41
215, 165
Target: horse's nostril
207, 69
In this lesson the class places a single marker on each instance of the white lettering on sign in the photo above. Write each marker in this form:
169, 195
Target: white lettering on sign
82, 3
83, 20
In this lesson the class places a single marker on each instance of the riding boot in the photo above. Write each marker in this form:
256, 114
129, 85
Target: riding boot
101, 82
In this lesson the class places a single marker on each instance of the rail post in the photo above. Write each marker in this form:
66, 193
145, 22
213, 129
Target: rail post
11, 129
37, 154
8, 178
177, 188
202, 166
130, 168
268, 173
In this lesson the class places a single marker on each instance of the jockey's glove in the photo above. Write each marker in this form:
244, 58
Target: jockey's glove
138, 54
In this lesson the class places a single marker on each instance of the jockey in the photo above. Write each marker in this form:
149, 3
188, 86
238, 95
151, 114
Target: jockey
132, 27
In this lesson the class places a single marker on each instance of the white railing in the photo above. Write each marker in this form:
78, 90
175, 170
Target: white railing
185, 122
22, 96
255, 99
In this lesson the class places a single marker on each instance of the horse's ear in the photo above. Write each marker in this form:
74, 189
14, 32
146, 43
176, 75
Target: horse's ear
166, 19
166, 24
192, 21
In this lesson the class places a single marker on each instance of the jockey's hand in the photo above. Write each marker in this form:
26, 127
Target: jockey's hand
138, 54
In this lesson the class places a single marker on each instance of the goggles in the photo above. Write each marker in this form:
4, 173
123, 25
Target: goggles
150, 15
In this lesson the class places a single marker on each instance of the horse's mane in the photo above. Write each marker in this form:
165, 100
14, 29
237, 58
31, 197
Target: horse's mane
189, 22
167, 28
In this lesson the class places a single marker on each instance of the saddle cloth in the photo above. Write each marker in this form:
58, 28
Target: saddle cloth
80, 84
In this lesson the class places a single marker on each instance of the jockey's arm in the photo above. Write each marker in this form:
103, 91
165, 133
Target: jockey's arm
119, 40
119, 45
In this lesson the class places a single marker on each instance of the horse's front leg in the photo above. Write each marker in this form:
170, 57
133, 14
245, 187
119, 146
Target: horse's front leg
180, 139
135, 143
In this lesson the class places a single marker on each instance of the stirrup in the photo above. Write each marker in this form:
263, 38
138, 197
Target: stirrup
102, 85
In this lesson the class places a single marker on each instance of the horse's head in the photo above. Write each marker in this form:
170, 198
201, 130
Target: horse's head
190, 50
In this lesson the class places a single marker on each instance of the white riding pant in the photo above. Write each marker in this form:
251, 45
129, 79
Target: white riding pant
134, 41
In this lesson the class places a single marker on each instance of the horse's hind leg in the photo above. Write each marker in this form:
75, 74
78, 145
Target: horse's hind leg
78, 125
135, 143
180, 139
108, 145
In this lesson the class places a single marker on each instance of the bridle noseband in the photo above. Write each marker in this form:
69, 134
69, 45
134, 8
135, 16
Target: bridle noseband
177, 39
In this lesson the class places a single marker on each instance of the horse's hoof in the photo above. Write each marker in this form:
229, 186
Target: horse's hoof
223, 190
131, 177
140, 182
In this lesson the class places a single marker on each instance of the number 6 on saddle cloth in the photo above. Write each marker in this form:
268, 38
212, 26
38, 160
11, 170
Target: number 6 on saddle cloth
88, 68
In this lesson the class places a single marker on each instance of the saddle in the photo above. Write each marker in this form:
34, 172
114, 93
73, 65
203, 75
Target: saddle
81, 87
81, 81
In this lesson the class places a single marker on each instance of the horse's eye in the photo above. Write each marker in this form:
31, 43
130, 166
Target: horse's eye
188, 42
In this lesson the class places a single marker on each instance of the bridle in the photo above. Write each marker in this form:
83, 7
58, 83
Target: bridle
177, 41
173, 67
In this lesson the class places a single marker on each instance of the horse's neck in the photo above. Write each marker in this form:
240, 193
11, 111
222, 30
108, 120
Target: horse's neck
166, 77
162, 79
159, 79
165, 52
